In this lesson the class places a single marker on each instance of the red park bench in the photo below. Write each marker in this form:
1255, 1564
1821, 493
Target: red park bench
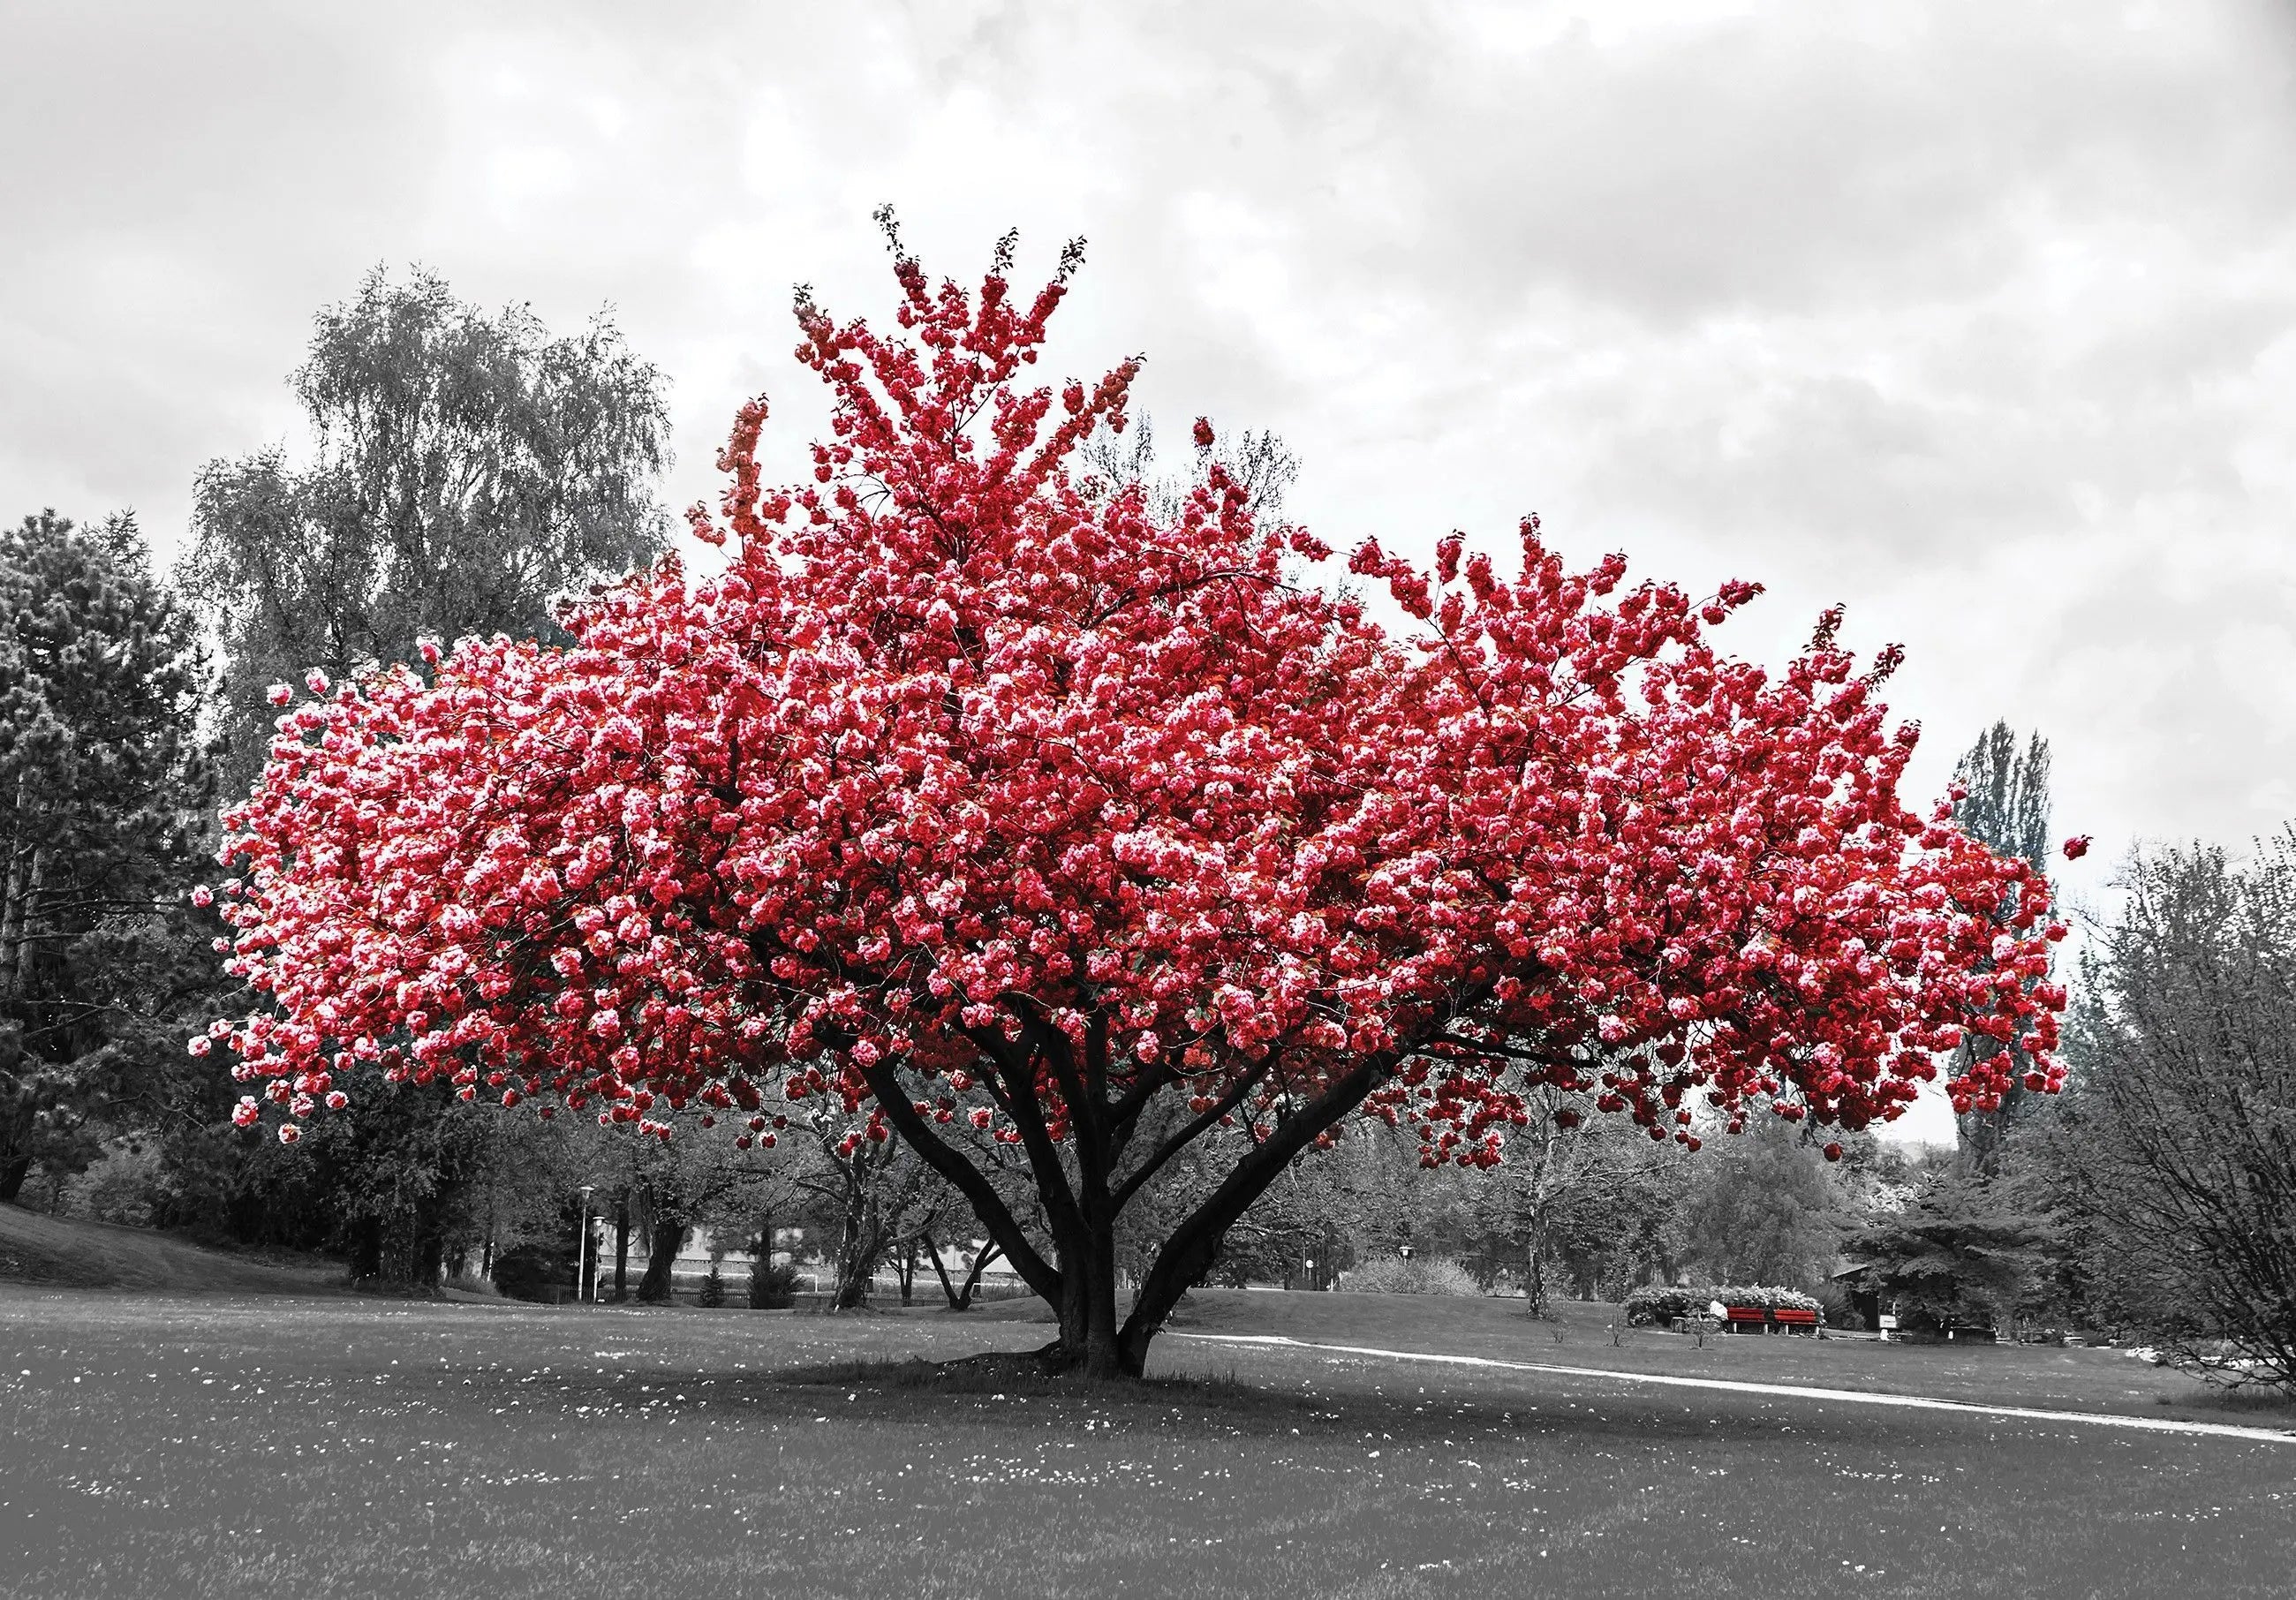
1755, 1318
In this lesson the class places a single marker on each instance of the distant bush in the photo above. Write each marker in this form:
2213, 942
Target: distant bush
771, 1288
1664, 1302
713, 1288
470, 1282
536, 1272
1420, 1274
125, 1185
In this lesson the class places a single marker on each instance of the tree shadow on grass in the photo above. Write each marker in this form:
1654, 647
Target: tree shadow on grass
999, 1385
1005, 1372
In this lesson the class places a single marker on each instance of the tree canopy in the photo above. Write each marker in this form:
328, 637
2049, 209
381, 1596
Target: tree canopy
976, 795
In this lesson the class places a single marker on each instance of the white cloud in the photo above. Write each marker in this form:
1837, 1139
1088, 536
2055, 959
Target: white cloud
1977, 318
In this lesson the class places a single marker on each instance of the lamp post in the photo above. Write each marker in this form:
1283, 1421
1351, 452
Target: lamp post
582, 1249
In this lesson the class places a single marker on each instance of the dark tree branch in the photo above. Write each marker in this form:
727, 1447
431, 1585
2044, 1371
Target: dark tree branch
987, 1204
1202, 1122
1187, 1255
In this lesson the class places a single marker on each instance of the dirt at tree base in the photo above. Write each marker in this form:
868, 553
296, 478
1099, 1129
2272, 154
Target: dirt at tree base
67, 1251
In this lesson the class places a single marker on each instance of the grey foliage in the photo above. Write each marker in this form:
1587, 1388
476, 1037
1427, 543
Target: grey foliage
1257, 459
102, 799
2177, 1149
470, 470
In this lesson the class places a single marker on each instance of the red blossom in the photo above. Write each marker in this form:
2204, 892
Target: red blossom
972, 781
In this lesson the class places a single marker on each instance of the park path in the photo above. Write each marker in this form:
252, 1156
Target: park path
1860, 1397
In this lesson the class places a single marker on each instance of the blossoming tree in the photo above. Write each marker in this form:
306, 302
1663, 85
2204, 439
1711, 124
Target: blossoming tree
1033, 827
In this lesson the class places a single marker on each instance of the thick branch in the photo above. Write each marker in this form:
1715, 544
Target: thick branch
1018, 1069
987, 1204
1126, 1110
1188, 1253
1196, 1127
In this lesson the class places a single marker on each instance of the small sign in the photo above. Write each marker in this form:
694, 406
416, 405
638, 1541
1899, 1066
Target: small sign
1888, 1321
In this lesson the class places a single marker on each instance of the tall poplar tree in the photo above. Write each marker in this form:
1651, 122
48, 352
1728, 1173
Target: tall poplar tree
2004, 807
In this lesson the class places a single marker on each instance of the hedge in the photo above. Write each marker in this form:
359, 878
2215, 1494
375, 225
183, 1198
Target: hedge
1661, 1302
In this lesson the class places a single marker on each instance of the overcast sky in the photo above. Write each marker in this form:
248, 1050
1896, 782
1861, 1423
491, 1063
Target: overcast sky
1979, 318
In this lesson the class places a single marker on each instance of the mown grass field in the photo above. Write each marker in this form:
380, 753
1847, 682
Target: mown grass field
224, 1445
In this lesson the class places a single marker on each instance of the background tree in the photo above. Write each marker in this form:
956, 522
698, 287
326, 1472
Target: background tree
871, 1194
2004, 804
469, 470
2175, 1153
1761, 1211
1257, 462
103, 803
1963, 1253
970, 788
1594, 1199
1293, 1234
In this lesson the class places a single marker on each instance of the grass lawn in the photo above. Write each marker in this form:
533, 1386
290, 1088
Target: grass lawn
226, 1444
2041, 1377
75, 1252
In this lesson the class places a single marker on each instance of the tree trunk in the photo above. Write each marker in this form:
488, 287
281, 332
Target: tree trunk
26, 934
1090, 1340
428, 1259
661, 1258
1080, 1211
851, 1292
622, 1248
365, 1261
933, 1254
1533, 1282
13, 1170
860, 1240
14, 911
961, 1300
988, 1253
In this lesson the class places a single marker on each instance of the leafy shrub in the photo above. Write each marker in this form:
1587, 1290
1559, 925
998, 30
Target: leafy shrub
1841, 1310
127, 1184
535, 1272
771, 1288
1665, 1302
1420, 1274
713, 1288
